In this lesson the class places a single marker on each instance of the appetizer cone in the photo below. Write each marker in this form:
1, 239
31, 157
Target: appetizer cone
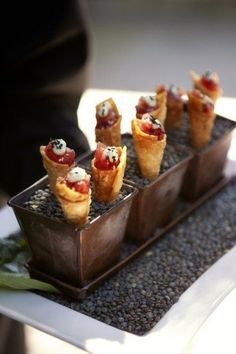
154, 105
74, 196
202, 118
62, 162
108, 128
160, 112
208, 84
149, 147
174, 105
108, 168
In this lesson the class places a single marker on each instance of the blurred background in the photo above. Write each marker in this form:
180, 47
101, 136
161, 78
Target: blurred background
138, 44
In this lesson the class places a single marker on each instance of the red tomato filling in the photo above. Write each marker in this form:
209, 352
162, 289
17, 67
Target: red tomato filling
80, 186
108, 121
67, 158
103, 163
143, 107
148, 129
209, 83
207, 107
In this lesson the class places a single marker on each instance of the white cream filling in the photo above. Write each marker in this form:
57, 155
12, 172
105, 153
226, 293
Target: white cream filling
104, 109
150, 100
58, 146
76, 174
111, 154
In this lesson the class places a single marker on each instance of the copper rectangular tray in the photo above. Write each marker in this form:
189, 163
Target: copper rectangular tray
79, 293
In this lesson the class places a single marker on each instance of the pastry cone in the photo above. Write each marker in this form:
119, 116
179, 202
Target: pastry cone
109, 135
149, 150
107, 183
198, 82
54, 169
75, 205
175, 107
154, 105
201, 118
160, 112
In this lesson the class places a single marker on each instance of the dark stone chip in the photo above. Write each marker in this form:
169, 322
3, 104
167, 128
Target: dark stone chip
49, 206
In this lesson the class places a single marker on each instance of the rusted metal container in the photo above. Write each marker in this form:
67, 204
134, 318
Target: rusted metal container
69, 254
82, 291
207, 166
155, 202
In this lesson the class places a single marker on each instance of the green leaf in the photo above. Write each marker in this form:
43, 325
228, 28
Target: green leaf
22, 282
11, 246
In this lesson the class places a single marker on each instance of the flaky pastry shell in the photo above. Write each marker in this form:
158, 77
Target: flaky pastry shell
149, 151
75, 205
54, 169
110, 136
201, 123
160, 112
213, 94
107, 183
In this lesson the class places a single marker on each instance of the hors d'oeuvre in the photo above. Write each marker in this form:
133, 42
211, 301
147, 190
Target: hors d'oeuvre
108, 119
175, 106
201, 117
155, 105
74, 195
58, 159
108, 168
208, 83
149, 142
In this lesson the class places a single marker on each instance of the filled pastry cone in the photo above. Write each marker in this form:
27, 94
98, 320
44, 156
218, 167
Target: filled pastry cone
108, 119
175, 106
108, 167
58, 159
201, 118
155, 105
208, 84
74, 195
149, 142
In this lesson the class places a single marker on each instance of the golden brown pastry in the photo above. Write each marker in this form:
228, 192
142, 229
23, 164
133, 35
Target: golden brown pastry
74, 195
108, 168
201, 118
155, 105
107, 130
149, 142
208, 83
58, 159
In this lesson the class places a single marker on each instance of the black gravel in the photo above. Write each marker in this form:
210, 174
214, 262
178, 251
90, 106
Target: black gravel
171, 158
139, 295
44, 202
181, 136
